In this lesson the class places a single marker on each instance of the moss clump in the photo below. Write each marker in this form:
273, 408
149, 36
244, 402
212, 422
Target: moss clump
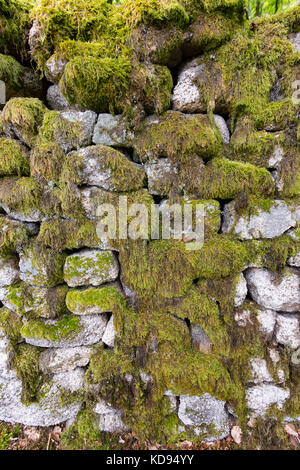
288, 183
178, 137
20, 194
46, 161
65, 328
11, 72
42, 266
26, 363
106, 299
10, 324
24, 116
14, 158
13, 235
97, 84
98, 264
224, 179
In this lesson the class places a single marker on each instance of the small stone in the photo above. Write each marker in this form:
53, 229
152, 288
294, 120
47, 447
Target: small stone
267, 321
221, 123
279, 291
86, 121
54, 361
295, 40
261, 397
90, 267
186, 96
236, 434
113, 131
56, 100
110, 418
90, 331
9, 272
259, 223
41, 269
110, 333
240, 291
260, 371
288, 330
200, 340
276, 157
203, 412
162, 176
54, 69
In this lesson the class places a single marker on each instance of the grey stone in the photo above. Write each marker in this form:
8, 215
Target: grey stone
267, 320
288, 330
262, 224
261, 397
6, 357
202, 412
49, 411
186, 96
276, 157
295, 39
200, 340
55, 67
110, 418
259, 369
90, 332
90, 267
110, 333
9, 272
162, 175
108, 169
56, 100
279, 291
86, 121
240, 291
113, 131
294, 260
29, 216
221, 123
59, 360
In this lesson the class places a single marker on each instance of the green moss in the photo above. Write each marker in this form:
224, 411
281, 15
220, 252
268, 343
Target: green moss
13, 235
14, 21
20, 194
10, 324
26, 363
25, 115
46, 161
98, 264
66, 327
105, 298
13, 158
45, 266
178, 137
11, 72
289, 173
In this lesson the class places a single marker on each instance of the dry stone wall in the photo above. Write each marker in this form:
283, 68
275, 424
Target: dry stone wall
180, 102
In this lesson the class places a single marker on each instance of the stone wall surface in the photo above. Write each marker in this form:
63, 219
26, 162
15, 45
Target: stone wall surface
180, 102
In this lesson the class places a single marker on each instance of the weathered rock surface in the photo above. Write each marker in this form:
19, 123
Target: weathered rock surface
221, 123
262, 223
200, 340
88, 331
240, 291
85, 122
288, 330
49, 411
55, 361
9, 272
55, 67
261, 397
260, 371
295, 39
275, 291
110, 333
90, 267
201, 413
113, 131
110, 418
294, 260
56, 100
162, 176
186, 96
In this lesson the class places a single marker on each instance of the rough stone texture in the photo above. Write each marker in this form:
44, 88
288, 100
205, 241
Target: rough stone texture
199, 413
49, 411
110, 418
240, 291
9, 272
110, 333
24, 216
90, 267
221, 123
276, 157
186, 97
267, 320
295, 39
200, 340
64, 359
260, 371
294, 260
275, 291
91, 330
161, 176
288, 330
113, 131
261, 397
265, 224
56, 100
54, 69
86, 121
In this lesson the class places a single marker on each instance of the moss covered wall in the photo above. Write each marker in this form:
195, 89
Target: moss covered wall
184, 101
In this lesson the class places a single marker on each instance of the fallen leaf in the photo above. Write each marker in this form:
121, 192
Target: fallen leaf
236, 434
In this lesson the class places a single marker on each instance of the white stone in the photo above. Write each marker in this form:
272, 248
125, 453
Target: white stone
30, 216
261, 397
273, 290
240, 291
221, 123
295, 39
91, 332
49, 411
201, 412
110, 418
267, 321
186, 96
90, 267
110, 333
263, 224
64, 359
113, 131
276, 157
288, 330
260, 371
9, 272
